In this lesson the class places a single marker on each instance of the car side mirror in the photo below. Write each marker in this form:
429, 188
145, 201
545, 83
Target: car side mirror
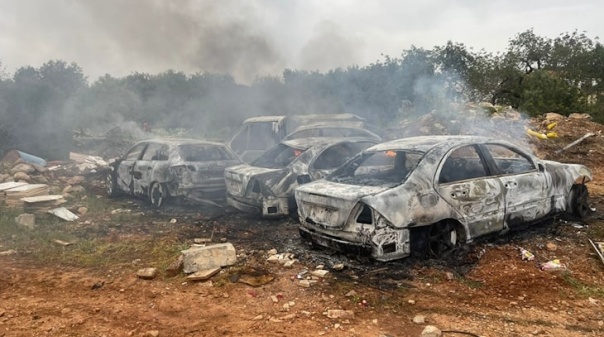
303, 179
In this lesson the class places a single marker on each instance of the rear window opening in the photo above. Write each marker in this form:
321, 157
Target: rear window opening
199, 152
385, 167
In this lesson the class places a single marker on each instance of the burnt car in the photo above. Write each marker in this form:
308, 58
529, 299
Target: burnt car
332, 131
429, 195
160, 169
266, 185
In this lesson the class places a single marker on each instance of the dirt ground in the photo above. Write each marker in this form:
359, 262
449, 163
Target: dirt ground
486, 289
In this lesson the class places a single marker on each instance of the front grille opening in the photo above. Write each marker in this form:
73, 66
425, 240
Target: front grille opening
271, 210
310, 221
366, 216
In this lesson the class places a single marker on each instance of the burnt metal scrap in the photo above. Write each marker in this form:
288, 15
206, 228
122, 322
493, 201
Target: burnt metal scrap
266, 185
163, 168
432, 194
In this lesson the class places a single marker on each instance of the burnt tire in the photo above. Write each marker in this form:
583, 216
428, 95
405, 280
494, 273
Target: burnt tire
158, 195
111, 185
579, 200
442, 239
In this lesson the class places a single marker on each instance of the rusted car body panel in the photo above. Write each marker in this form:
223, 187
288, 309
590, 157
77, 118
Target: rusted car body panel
187, 168
478, 184
266, 186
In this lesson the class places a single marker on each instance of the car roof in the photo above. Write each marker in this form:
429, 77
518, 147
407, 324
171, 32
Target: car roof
425, 143
306, 143
181, 141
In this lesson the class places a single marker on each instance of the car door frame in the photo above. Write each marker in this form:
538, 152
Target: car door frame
124, 170
526, 193
469, 197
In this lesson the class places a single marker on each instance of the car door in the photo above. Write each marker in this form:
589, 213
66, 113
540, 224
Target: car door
144, 169
464, 181
526, 197
125, 177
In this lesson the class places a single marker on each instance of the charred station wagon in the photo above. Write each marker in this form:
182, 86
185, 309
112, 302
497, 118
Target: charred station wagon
431, 194
164, 168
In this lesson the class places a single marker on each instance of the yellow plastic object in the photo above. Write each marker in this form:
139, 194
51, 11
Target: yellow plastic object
552, 134
551, 125
536, 134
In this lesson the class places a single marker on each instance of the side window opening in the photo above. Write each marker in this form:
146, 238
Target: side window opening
462, 164
509, 161
156, 152
135, 153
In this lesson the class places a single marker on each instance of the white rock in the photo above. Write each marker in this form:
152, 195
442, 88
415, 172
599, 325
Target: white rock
343, 314
26, 220
431, 331
209, 257
419, 319
147, 273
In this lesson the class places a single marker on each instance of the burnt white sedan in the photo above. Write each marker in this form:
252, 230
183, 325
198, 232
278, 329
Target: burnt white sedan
431, 194
161, 169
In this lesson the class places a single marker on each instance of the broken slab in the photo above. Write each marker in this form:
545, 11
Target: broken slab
208, 257
175, 267
64, 214
204, 274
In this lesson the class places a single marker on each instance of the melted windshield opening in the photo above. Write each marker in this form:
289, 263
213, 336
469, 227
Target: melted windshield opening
279, 156
389, 167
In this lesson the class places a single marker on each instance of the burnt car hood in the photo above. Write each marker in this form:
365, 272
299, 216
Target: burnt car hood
332, 197
238, 178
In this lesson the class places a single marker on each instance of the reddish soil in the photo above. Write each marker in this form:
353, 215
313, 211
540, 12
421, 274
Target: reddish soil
485, 290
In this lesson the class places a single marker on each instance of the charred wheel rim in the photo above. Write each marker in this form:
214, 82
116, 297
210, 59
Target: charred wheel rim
442, 239
158, 195
579, 199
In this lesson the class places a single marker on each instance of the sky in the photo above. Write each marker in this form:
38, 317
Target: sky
252, 39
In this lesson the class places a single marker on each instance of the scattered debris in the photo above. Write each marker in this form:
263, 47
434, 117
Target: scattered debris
340, 314
526, 255
63, 243
203, 275
15, 156
319, 273
64, 214
552, 265
599, 248
587, 135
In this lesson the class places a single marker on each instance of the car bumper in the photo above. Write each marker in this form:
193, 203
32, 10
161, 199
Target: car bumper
267, 207
388, 252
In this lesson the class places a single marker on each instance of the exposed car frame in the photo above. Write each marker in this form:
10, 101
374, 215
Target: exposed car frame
160, 169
